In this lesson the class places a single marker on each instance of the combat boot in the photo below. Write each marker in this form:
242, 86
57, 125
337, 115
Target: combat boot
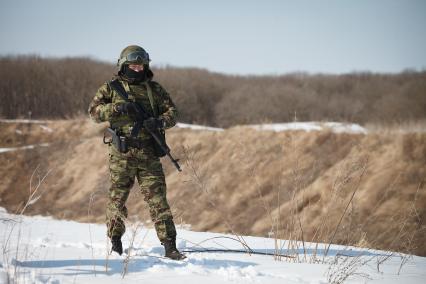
171, 250
117, 246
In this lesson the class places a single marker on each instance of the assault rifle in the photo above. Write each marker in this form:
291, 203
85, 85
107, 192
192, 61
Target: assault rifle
141, 116
164, 148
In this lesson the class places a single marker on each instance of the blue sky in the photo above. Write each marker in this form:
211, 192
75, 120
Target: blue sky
233, 37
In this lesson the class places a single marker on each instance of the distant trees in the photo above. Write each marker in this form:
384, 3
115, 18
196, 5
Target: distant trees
34, 87
61, 88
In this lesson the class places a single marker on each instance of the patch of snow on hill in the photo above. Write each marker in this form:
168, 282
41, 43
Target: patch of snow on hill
336, 127
198, 127
3, 150
24, 121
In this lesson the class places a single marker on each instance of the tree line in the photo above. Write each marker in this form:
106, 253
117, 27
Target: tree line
50, 88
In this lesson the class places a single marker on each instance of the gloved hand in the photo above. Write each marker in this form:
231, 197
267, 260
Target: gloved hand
127, 108
153, 123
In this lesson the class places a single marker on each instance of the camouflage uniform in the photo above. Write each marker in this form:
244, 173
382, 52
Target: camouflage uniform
141, 163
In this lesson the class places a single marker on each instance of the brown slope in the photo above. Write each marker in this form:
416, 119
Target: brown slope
242, 180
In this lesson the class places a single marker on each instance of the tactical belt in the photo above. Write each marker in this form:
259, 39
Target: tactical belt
130, 141
123, 143
135, 143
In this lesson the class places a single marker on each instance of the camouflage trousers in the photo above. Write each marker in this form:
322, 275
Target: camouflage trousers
147, 168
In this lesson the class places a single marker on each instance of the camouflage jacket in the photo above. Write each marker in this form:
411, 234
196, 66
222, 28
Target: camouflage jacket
101, 108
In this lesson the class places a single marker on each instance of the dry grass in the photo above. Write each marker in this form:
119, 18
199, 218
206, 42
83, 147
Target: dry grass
400, 127
313, 189
296, 249
290, 185
12, 248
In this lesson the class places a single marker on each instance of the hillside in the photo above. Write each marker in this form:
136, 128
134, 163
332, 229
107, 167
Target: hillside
291, 184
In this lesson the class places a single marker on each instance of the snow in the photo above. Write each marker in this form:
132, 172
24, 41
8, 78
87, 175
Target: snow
24, 121
198, 127
336, 127
46, 129
3, 150
44, 250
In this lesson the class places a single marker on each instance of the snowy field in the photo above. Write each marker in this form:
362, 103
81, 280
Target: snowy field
44, 250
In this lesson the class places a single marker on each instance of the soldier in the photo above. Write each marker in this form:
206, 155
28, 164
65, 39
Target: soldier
141, 159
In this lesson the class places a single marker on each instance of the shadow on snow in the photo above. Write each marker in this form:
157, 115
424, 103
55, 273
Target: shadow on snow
136, 264
139, 263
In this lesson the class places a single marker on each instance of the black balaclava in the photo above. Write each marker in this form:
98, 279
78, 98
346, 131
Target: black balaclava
132, 76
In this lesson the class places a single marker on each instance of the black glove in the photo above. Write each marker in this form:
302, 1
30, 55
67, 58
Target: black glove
153, 123
127, 108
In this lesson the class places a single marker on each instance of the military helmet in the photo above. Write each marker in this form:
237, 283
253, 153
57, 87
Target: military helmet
133, 54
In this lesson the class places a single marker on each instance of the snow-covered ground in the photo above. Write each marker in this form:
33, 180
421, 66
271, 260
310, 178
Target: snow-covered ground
24, 121
197, 127
337, 127
44, 250
10, 149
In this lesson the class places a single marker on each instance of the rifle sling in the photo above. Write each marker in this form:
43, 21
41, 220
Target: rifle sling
116, 85
151, 99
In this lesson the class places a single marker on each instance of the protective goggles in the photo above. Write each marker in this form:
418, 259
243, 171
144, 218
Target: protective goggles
135, 57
